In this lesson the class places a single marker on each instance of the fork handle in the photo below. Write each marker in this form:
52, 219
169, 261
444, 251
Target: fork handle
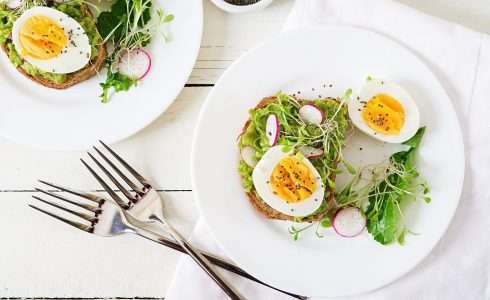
159, 239
201, 261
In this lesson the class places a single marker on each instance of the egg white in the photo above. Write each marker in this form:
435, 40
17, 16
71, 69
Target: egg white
66, 62
261, 176
374, 87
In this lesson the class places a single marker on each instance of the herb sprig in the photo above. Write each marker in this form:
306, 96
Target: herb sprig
129, 25
389, 186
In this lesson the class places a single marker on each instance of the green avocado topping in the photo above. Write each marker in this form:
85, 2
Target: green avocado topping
72, 9
296, 133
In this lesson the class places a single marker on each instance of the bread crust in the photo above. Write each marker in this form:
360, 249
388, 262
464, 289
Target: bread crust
73, 78
262, 207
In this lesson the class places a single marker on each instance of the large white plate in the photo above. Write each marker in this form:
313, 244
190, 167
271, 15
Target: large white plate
75, 118
306, 60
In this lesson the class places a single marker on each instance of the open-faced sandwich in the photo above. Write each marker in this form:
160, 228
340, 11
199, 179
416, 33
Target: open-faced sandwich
57, 44
291, 152
63, 42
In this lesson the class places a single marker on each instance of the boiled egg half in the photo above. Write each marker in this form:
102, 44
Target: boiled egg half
385, 111
51, 40
288, 182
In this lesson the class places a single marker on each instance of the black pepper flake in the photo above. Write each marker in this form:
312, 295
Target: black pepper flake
360, 148
330, 85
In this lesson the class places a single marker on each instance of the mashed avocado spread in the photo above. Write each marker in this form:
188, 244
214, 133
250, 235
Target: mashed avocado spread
71, 8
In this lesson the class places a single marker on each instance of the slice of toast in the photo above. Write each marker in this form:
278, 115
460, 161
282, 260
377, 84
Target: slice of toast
72, 78
263, 207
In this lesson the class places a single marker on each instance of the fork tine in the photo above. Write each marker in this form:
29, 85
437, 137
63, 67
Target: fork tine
80, 226
121, 174
76, 213
133, 172
114, 180
58, 196
114, 196
87, 196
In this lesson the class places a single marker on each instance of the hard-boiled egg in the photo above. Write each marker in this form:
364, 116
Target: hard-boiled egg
385, 111
288, 182
51, 40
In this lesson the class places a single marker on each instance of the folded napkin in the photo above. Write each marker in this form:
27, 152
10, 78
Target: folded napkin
459, 266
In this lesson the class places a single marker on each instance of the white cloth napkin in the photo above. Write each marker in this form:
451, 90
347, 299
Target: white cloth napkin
459, 266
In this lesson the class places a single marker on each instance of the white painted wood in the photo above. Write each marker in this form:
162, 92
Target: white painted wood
226, 37
161, 152
41, 257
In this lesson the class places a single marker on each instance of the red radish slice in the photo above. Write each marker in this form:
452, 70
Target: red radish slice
13, 4
349, 222
135, 64
272, 129
248, 156
310, 113
311, 152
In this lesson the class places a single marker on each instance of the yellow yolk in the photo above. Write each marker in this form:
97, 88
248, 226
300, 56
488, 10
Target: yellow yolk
41, 38
292, 180
384, 114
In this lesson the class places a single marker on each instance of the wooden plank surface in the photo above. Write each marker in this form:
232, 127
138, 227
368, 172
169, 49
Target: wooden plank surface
48, 259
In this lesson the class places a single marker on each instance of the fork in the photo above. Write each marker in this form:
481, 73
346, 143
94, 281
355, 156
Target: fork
105, 218
145, 206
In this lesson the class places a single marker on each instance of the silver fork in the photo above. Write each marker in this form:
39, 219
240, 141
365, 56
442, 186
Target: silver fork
145, 206
105, 218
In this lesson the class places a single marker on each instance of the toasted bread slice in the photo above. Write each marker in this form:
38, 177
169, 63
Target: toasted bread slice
263, 207
73, 78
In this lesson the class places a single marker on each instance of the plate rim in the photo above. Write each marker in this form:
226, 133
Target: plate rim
282, 35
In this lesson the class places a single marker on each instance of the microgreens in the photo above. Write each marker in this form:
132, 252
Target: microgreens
129, 25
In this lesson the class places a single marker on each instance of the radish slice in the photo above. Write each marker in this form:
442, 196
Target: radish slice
13, 4
135, 64
310, 113
248, 156
349, 222
311, 152
272, 129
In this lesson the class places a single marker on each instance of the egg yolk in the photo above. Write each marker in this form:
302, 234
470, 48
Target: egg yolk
292, 180
384, 114
42, 38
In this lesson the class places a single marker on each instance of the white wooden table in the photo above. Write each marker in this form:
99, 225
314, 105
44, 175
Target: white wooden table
52, 260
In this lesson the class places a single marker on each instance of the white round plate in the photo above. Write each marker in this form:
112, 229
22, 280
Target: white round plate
323, 62
75, 119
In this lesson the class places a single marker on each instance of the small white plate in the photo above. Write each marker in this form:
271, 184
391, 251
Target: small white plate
75, 119
302, 61
235, 9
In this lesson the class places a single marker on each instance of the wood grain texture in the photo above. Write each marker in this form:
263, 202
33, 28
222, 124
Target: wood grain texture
44, 257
